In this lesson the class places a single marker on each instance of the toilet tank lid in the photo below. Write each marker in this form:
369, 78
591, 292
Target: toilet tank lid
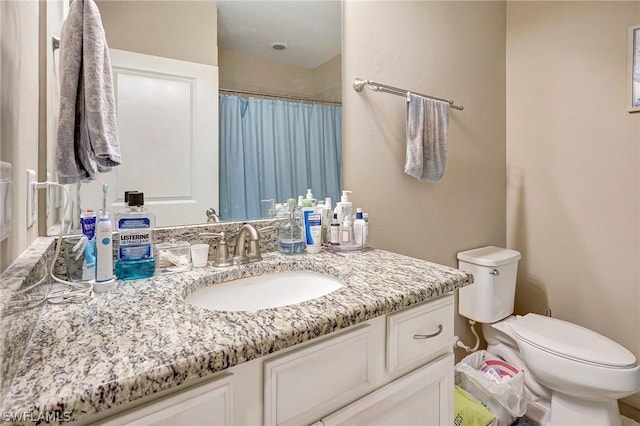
571, 340
489, 256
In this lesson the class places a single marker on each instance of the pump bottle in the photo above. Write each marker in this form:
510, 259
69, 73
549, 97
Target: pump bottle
344, 207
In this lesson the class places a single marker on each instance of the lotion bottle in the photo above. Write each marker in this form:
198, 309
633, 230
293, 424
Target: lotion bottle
309, 196
344, 207
360, 229
312, 223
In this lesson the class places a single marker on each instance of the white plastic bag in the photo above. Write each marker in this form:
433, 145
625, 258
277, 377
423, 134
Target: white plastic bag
505, 395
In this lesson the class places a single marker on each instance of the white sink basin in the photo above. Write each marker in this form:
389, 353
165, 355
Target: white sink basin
264, 291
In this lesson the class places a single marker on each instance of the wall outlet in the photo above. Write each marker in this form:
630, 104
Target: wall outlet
6, 199
32, 199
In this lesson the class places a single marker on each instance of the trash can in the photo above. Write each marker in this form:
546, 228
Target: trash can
495, 383
468, 411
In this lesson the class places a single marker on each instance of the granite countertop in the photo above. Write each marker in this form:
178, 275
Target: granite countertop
142, 338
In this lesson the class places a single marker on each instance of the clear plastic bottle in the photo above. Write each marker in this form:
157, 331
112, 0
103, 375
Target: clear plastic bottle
334, 233
135, 250
346, 232
290, 233
344, 207
360, 229
327, 214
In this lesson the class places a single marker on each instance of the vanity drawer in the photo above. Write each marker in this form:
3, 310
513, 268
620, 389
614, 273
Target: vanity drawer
303, 385
419, 334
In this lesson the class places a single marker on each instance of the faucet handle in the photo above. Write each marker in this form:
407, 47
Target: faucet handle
209, 235
212, 215
266, 229
222, 257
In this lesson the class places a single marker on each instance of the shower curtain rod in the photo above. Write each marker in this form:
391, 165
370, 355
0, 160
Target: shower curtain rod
274, 96
359, 83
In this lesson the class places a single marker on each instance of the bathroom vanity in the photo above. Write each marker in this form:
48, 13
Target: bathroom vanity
377, 350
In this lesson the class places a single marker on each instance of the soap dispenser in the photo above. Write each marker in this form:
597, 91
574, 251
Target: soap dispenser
309, 196
290, 233
344, 207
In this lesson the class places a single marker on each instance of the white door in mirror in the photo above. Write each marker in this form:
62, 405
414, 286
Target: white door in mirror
168, 128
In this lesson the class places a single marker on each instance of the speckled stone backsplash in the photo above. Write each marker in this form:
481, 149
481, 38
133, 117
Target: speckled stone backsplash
191, 233
18, 319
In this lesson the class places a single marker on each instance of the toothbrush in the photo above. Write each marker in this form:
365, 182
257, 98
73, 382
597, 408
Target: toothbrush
105, 188
104, 246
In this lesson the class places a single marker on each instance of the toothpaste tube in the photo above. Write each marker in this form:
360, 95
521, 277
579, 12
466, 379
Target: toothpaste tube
88, 224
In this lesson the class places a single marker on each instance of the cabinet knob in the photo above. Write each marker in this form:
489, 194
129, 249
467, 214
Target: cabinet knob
429, 336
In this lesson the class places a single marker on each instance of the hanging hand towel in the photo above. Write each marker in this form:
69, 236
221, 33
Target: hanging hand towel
87, 140
427, 124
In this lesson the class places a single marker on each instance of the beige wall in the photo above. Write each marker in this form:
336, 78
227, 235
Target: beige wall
184, 30
244, 72
327, 80
448, 49
573, 164
19, 85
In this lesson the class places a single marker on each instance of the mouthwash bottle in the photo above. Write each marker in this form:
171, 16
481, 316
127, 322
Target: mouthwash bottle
135, 250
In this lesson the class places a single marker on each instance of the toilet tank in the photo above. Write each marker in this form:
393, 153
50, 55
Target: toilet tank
491, 297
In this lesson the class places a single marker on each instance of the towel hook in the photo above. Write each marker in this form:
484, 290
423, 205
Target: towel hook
55, 42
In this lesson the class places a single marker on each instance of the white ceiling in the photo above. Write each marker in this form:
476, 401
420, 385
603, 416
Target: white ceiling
310, 28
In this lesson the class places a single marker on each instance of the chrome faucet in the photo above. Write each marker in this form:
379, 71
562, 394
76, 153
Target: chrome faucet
240, 253
212, 216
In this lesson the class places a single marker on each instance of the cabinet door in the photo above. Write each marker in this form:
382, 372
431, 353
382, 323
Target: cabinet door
423, 397
203, 405
303, 385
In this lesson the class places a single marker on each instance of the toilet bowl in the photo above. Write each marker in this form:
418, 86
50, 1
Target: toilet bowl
568, 358
566, 383
585, 372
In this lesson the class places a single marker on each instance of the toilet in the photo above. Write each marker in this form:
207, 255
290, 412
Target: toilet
573, 375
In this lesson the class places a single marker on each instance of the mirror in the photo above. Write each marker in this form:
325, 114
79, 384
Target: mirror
241, 38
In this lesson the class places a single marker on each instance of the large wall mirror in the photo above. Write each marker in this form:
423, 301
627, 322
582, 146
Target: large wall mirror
286, 54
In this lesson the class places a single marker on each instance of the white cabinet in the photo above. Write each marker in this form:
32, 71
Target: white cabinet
419, 334
301, 385
307, 384
203, 405
423, 397
390, 370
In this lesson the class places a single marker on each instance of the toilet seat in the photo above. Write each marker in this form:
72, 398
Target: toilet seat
571, 341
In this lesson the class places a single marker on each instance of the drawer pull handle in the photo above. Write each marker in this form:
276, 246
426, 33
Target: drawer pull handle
429, 336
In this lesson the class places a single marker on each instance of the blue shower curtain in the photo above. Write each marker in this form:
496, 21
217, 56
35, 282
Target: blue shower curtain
273, 149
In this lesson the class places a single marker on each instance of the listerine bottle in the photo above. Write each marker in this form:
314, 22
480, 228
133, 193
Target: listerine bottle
290, 234
135, 250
